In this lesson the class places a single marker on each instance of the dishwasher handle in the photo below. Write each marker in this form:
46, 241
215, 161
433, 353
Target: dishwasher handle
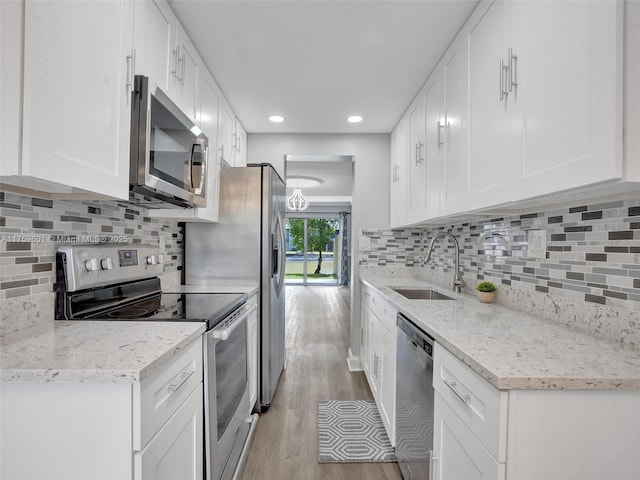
419, 338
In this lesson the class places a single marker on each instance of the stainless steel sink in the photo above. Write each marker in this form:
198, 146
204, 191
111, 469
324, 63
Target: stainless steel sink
421, 294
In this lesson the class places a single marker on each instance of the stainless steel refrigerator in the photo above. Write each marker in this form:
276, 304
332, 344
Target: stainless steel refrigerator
248, 243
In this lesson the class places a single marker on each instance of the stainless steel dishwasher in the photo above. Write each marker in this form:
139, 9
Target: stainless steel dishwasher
414, 401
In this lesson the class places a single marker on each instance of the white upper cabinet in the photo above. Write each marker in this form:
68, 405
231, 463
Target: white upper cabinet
417, 191
226, 137
434, 135
77, 84
240, 150
187, 75
156, 29
452, 128
494, 122
399, 174
569, 74
544, 81
524, 109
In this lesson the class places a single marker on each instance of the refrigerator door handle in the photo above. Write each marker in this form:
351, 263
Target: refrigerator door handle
282, 254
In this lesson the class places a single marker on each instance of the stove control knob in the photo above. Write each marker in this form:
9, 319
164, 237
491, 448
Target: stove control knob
152, 260
160, 258
92, 265
106, 263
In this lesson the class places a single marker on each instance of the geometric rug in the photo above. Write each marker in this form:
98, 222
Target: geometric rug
351, 431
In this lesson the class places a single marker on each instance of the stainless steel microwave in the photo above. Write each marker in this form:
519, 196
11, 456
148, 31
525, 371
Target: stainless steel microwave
168, 150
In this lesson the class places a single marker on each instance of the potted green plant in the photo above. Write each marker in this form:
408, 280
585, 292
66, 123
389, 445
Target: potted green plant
486, 292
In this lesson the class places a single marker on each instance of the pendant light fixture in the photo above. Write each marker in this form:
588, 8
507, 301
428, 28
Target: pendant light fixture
297, 202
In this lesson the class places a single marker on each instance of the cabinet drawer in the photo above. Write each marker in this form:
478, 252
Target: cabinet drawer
160, 395
388, 317
482, 407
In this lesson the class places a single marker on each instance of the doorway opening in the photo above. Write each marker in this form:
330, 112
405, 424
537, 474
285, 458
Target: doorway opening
318, 219
313, 250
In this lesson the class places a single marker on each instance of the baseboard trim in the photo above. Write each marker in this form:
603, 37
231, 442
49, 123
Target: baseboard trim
354, 363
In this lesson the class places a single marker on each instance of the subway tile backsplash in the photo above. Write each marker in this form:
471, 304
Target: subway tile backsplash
592, 254
31, 229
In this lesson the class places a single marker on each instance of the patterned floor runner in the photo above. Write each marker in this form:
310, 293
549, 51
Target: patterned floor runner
351, 431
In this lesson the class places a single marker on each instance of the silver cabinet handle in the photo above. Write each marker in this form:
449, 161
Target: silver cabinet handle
174, 69
221, 154
131, 66
453, 386
184, 57
419, 158
395, 173
501, 79
513, 70
184, 376
440, 127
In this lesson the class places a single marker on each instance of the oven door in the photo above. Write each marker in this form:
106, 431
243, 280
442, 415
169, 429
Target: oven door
171, 153
227, 405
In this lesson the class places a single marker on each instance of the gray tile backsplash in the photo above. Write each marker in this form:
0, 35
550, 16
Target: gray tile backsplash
592, 254
31, 229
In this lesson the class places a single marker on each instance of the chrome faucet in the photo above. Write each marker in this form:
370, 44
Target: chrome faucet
458, 283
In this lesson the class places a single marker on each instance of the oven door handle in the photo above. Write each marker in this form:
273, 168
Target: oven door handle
225, 328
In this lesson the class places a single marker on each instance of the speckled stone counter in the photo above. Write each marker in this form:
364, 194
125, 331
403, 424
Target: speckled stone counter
92, 351
512, 349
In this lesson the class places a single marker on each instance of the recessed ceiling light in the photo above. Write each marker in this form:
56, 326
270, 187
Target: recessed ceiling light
354, 119
276, 119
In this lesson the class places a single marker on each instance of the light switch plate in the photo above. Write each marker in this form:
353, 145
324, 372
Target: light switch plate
537, 244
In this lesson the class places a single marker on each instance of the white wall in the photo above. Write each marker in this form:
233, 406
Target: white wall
370, 196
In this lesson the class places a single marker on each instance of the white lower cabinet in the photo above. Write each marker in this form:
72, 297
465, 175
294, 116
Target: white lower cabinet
177, 450
481, 432
458, 452
139, 431
378, 352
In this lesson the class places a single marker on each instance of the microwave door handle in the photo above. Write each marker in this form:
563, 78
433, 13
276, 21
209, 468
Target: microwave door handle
197, 149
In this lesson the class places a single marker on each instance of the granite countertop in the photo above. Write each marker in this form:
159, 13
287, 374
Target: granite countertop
92, 351
242, 287
513, 349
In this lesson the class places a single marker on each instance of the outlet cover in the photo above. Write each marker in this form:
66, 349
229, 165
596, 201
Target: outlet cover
537, 244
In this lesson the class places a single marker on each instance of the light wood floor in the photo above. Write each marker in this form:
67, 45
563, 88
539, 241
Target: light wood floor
285, 442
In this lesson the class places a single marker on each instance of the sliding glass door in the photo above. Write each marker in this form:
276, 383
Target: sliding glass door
312, 251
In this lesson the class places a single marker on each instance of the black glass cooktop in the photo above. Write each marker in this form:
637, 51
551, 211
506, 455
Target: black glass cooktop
139, 301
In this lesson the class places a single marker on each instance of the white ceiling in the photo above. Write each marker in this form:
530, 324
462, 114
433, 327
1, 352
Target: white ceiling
336, 171
315, 62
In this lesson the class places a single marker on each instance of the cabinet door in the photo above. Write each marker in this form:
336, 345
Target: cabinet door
226, 137
375, 368
209, 106
568, 72
494, 118
417, 193
435, 132
399, 175
11, 24
454, 130
240, 157
77, 79
177, 449
388, 383
188, 77
155, 43
457, 452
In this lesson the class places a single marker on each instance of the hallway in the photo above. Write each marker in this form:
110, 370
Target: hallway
317, 340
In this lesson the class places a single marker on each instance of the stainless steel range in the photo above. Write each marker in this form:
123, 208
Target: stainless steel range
120, 282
